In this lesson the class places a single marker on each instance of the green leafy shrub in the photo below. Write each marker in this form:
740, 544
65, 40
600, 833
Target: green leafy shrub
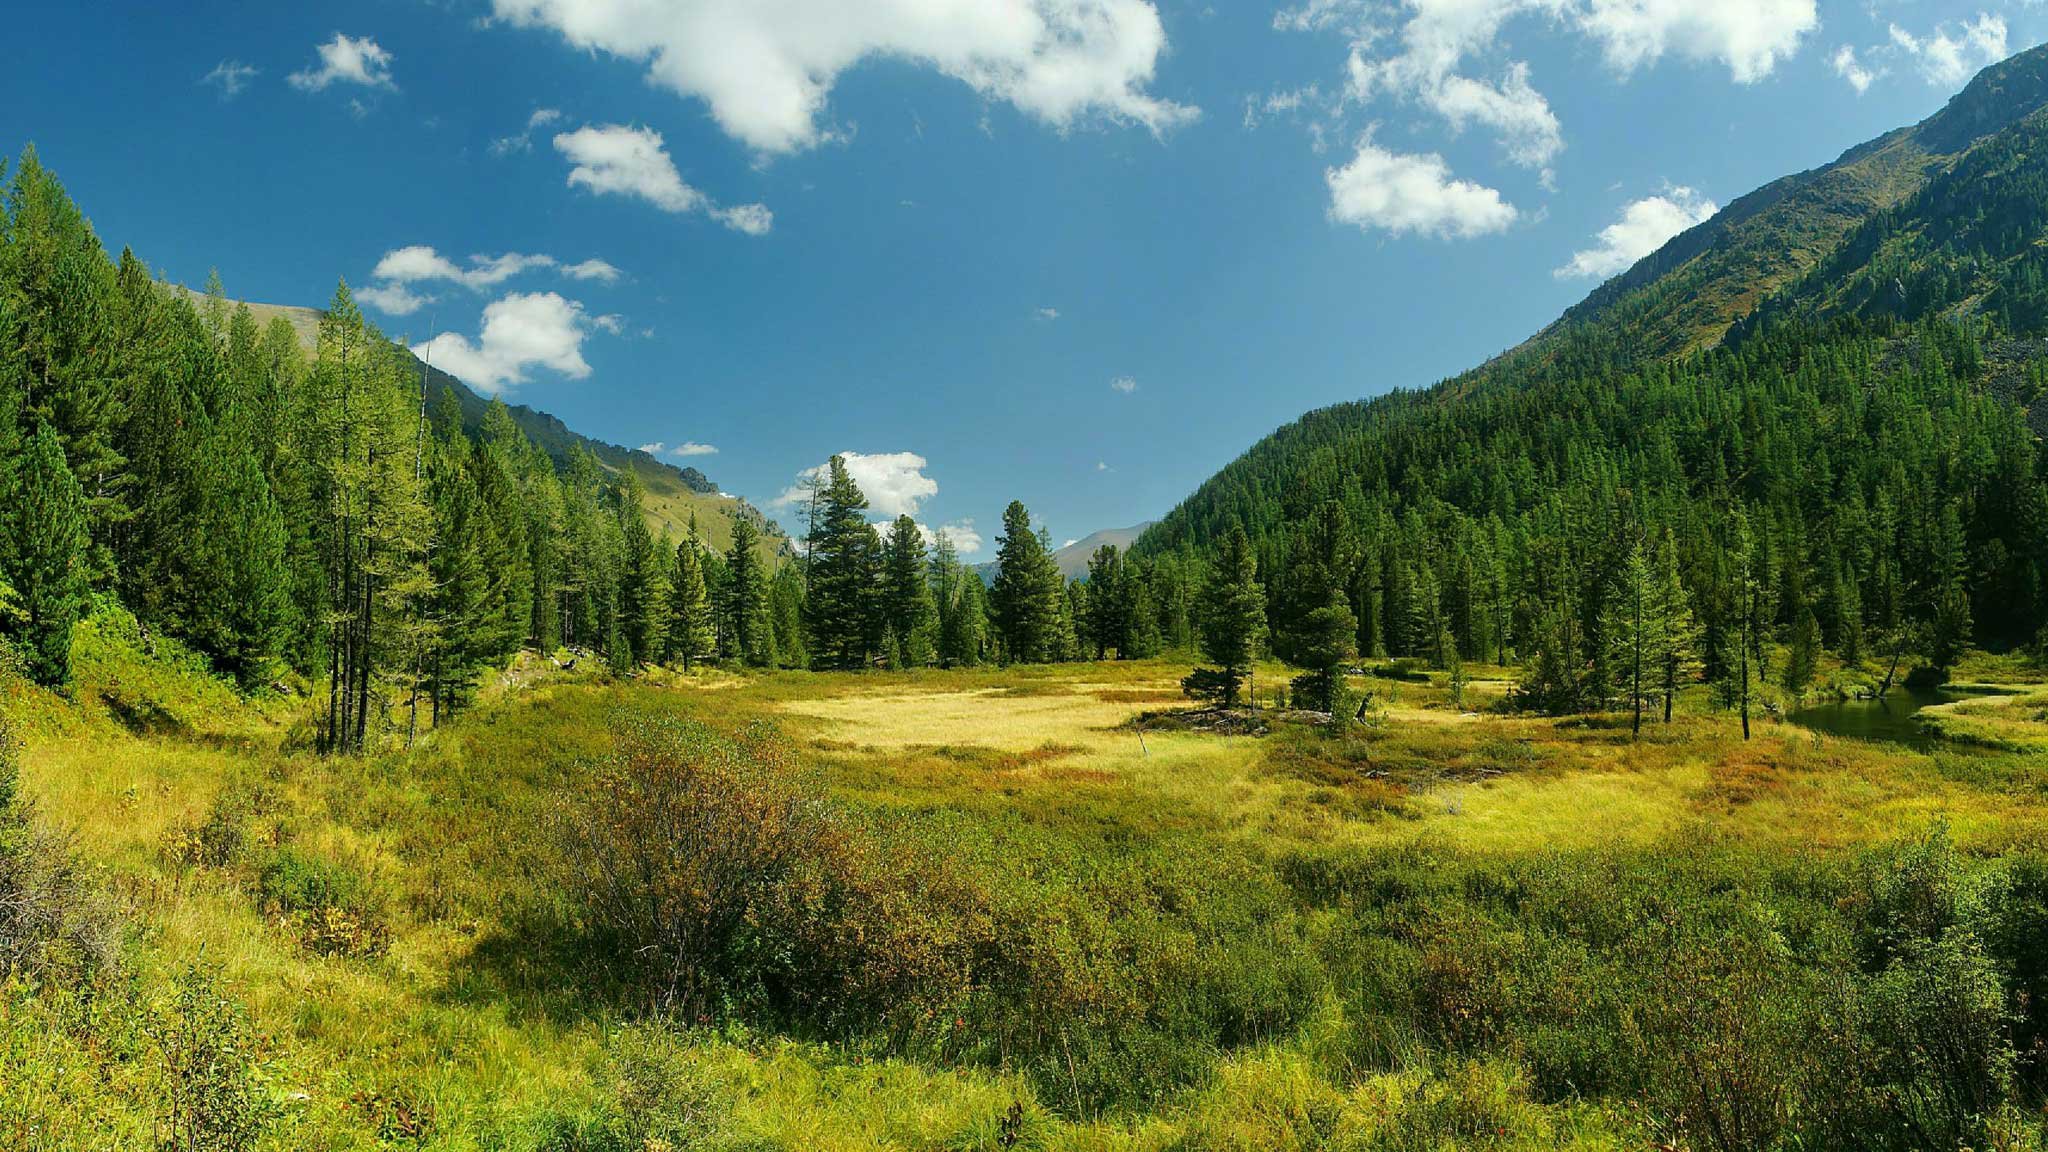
209, 1083
330, 906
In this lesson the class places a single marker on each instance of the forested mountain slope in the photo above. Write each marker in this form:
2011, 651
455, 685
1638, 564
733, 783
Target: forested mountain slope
1826, 386
672, 494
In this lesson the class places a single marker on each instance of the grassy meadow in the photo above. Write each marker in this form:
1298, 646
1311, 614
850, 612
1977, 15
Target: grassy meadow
1020, 916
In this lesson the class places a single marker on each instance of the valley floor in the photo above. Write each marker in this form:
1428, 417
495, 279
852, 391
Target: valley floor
1401, 908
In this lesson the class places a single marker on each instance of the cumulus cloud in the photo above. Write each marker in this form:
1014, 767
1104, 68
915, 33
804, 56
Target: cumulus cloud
766, 71
894, 482
1849, 68
346, 60
400, 270
1643, 228
1420, 53
393, 299
1401, 194
618, 160
1954, 52
520, 331
230, 76
1124, 384
1749, 37
966, 541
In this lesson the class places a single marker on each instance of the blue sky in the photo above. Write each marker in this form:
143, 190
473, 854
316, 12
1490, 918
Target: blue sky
1076, 252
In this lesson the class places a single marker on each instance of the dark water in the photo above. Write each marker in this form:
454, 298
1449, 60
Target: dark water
1889, 719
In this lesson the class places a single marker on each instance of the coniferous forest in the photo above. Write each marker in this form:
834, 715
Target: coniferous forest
1637, 741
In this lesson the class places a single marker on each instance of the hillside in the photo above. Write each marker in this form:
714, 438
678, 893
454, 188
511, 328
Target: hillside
673, 494
1815, 421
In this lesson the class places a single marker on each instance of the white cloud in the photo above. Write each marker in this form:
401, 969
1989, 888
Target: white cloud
766, 71
347, 60
231, 76
1851, 69
1405, 193
393, 299
520, 331
1048, 313
752, 219
592, 269
610, 322
894, 482
1417, 52
684, 450
614, 159
1954, 53
966, 541
1643, 228
1124, 384
1750, 37
523, 140
401, 268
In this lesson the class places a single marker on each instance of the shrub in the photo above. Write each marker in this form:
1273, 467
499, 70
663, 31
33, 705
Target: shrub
681, 849
208, 1079
329, 905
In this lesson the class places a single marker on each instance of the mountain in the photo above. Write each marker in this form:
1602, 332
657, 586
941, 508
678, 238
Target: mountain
1947, 218
1073, 558
1818, 416
673, 494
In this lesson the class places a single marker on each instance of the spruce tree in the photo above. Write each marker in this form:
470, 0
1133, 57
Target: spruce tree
1106, 615
840, 574
747, 597
1026, 609
907, 595
1233, 622
47, 544
692, 635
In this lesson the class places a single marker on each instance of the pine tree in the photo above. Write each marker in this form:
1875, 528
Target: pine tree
1107, 620
1233, 622
692, 635
747, 597
1744, 672
57, 346
1802, 654
954, 590
1681, 634
1025, 606
907, 595
46, 529
840, 566
1315, 629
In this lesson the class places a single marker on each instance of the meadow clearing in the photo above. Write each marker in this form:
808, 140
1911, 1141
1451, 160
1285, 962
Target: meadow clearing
1046, 924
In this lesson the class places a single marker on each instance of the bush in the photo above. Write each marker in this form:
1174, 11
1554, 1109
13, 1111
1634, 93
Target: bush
330, 906
208, 1080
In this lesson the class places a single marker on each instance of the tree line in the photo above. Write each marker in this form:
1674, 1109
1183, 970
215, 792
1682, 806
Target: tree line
323, 516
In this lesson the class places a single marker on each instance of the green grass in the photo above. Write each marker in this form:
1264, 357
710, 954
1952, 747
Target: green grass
1418, 934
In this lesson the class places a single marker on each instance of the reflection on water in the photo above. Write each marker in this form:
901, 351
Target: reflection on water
1890, 719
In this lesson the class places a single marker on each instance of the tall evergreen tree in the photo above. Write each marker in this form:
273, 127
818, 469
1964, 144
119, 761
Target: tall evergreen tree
907, 595
840, 563
1026, 608
1233, 623
692, 635
47, 542
747, 593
